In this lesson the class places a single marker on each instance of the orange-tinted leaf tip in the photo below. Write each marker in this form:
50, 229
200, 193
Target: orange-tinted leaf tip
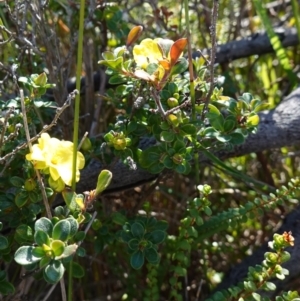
133, 35
165, 64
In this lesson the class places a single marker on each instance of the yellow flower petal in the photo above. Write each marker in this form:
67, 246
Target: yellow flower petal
57, 156
147, 52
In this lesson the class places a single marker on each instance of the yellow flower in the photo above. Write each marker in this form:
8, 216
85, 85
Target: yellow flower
55, 155
147, 52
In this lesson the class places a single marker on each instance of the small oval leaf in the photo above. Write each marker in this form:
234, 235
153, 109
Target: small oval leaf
137, 260
44, 224
137, 230
54, 272
61, 230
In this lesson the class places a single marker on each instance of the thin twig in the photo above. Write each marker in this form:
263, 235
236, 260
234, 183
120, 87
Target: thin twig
4, 126
212, 54
49, 292
40, 180
63, 289
182, 105
159, 106
88, 226
46, 128
199, 290
82, 140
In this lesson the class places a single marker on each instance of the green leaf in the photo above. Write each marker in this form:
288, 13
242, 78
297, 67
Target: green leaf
79, 236
41, 238
17, 181
237, 138
253, 120
59, 211
229, 124
188, 129
6, 288
150, 156
54, 272
61, 230
211, 109
167, 136
180, 271
117, 79
21, 198
2, 275
77, 270
157, 236
74, 226
137, 230
180, 66
137, 260
104, 180
216, 121
133, 244
69, 251
24, 256
118, 218
81, 252
3, 242
57, 247
270, 286
157, 168
116, 64
38, 252
107, 55
44, 224
161, 225
168, 163
261, 107
126, 236
69, 197
152, 255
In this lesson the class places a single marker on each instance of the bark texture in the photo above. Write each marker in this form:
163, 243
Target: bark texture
277, 128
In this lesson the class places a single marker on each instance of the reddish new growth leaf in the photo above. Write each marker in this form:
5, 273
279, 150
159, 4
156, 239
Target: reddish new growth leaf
177, 49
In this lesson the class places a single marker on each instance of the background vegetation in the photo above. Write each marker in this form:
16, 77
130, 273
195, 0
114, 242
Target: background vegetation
38, 36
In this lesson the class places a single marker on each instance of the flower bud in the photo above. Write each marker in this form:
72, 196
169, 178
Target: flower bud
86, 145
30, 184
41, 80
173, 119
119, 143
172, 102
177, 159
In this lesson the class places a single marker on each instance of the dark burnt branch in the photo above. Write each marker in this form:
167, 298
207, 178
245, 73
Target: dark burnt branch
279, 127
257, 44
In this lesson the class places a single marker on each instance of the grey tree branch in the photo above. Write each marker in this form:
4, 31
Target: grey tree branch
279, 127
257, 44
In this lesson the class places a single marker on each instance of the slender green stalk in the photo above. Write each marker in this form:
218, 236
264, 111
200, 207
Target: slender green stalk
77, 98
275, 42
76, 121
192, 85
